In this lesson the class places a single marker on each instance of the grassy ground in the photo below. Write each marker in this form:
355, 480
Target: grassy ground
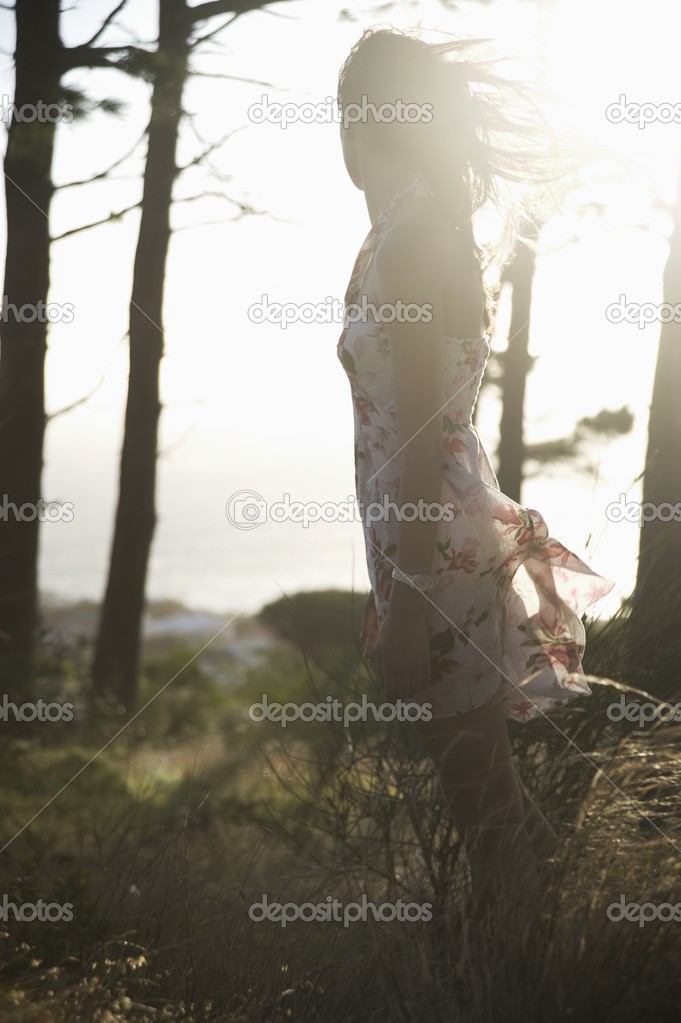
162, 842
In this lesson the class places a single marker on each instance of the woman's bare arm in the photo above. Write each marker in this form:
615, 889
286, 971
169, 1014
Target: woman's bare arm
409, 265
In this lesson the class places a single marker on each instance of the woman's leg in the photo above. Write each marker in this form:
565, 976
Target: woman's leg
473, 757
544, 839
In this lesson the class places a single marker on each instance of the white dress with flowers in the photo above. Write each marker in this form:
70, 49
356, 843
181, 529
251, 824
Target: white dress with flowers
505, 608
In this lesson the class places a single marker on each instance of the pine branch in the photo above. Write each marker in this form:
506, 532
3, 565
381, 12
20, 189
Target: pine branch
96, 223
104, 173
105, 24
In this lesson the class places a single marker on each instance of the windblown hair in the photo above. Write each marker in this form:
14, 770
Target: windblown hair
479, 129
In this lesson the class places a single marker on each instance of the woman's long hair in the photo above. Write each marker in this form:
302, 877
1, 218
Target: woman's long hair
477, 129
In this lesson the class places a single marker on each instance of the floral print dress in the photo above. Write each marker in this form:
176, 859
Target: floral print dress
505, 607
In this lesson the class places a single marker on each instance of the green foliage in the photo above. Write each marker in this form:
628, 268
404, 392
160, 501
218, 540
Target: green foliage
83, 107
318, 620
184, 700
162, 845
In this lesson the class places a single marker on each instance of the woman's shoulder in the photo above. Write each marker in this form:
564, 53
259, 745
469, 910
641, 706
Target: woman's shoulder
414, 226
418, 236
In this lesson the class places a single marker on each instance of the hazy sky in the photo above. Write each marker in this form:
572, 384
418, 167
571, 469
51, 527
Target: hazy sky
253, 406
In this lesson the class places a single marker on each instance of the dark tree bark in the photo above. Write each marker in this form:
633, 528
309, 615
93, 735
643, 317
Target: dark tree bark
117, 652
517, 363
656, 610
41, 60
28, 191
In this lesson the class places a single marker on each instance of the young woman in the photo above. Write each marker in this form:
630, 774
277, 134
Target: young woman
474, 608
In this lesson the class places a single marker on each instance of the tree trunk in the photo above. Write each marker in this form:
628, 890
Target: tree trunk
116, 661
511, 450
656, 612
28, 191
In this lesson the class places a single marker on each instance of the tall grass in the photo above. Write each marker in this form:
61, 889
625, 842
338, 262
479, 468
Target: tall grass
164, 842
